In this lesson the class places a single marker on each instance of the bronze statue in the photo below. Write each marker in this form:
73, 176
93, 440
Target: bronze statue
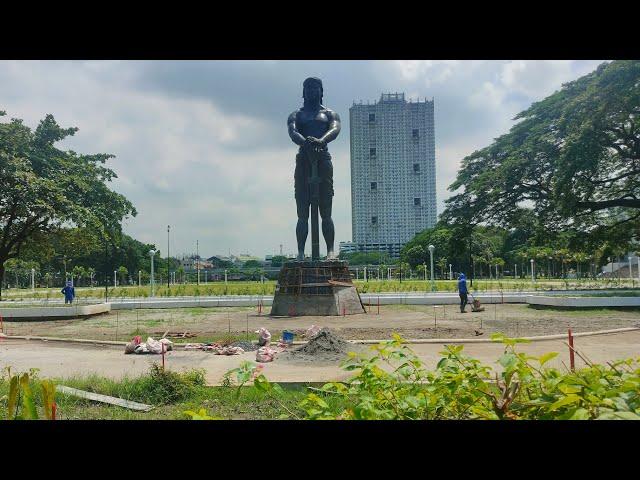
312, 127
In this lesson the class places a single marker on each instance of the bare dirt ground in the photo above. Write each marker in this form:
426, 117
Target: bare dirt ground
410, 321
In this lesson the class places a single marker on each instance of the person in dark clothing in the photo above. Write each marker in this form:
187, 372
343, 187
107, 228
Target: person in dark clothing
69, 293
462, 290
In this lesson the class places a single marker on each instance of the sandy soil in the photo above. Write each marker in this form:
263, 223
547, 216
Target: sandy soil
410, 321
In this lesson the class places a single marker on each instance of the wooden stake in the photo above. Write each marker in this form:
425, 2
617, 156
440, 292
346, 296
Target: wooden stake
572, 360
378, 304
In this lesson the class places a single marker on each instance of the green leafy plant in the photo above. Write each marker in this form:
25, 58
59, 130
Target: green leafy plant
21, 401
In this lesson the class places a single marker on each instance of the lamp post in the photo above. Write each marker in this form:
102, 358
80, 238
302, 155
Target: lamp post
433, 285
168, 272
225, 276
152, 254
630, 269
450, 272
198, 262
139, 278
515, 271
532, 271
115, 278
33, 279
365, 274
424, 264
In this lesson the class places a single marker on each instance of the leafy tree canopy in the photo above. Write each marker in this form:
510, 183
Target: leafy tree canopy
573, 158
44, 187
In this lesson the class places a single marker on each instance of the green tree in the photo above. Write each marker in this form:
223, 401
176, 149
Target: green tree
278, 260
416, 255
574, 156
122, 273
44, 187
252, 264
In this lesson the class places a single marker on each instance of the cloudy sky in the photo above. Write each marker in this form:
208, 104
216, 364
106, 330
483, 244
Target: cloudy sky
203, 145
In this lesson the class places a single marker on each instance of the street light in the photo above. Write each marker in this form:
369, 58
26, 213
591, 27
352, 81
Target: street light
424, 264
532, 269
115, 278
433, 285
168, 271
152, 254
33, 278
450, 272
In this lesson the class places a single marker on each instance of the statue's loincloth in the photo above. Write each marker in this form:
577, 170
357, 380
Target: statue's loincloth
303, 172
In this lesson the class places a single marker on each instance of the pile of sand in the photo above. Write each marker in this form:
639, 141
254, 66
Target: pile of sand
326, 346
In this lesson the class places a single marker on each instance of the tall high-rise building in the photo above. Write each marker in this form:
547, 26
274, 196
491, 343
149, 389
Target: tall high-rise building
393, 172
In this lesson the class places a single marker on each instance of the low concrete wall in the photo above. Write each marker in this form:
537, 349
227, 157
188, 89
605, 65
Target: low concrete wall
53, 313
219, 302
447, 299
370, 299
584, 302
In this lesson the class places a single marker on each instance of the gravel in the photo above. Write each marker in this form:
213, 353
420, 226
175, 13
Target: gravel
246, 346
326, 346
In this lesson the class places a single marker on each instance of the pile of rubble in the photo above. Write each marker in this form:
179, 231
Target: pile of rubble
323, 346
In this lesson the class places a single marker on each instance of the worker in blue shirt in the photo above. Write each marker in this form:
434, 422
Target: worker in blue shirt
462, 290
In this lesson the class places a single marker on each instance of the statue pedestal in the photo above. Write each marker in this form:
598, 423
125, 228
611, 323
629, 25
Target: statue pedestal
316, 288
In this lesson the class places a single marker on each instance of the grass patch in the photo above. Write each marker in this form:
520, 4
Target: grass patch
170, 392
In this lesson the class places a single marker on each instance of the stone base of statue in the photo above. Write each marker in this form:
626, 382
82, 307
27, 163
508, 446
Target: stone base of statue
321, 287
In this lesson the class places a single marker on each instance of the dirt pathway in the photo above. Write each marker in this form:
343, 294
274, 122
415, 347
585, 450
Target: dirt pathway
64, 360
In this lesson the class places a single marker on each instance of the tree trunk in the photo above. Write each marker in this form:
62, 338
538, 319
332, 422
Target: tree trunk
1, 276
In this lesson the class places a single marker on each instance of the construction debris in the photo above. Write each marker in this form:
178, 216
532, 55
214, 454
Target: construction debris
324, 346
150, 346
312, 331
178, 334
265, 354
215, 348
104, 398
246, 346
264, 337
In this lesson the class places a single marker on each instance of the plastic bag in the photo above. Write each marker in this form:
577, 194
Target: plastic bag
312, 331
264, 337
265, 354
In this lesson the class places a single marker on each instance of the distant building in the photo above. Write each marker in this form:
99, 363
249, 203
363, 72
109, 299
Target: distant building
393, 172
348, 247
193, 263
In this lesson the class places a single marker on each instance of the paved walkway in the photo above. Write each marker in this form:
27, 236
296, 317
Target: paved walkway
63, 360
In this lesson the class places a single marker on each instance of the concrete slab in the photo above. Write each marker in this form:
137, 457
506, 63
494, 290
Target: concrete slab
54, 313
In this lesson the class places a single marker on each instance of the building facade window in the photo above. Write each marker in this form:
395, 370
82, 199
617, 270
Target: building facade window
416, 202
374, 220
416, 168
374, 185
372, 152
416, 133
372, 117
